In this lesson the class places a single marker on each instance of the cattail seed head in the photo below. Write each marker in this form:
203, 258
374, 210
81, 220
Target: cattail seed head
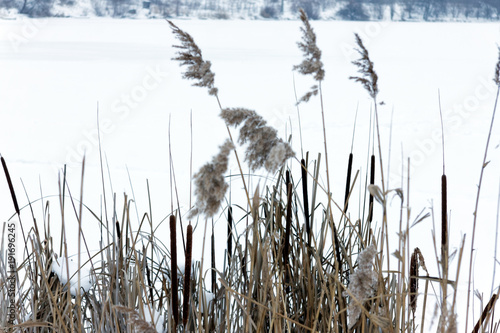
414, 280
187, 275
173, 270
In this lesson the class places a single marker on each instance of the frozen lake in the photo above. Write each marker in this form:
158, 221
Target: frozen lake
55, 74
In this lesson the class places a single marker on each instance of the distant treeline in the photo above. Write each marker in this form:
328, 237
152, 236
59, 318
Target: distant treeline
396, 10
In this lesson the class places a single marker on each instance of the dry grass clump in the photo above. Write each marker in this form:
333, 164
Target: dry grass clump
293, 263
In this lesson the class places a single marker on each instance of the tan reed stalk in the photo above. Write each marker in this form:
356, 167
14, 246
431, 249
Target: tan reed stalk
483, 166
212, 251
369, 80
312, 65
173, 271
187, 275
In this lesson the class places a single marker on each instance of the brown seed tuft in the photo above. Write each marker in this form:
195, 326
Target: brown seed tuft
264, 149
312, 64
368, 76
190, 56
210, 183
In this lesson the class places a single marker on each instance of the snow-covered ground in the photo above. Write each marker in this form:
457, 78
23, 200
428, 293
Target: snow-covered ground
59, 76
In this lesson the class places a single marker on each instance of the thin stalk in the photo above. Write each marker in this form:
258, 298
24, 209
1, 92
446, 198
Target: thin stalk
485, 163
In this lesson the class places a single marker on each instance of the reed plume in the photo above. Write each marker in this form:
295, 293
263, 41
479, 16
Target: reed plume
264, 149
312, 64
362, 283
187, 275
368, 76
190, 56
497, 70
210, 183
173, 270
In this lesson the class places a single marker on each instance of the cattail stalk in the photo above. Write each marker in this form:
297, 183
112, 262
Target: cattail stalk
286, 249
187, 275
173, 270
348, 182
11, 187
306, 200
414, 280
229, 235
372, 182
444, 229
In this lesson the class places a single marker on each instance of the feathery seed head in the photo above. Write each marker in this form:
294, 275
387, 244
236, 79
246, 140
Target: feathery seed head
264, 149
362, 284
190, 56
312, 63
210, 184
368, 76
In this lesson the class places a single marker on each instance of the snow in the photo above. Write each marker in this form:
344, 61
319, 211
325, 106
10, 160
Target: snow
66, 270
59, 76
